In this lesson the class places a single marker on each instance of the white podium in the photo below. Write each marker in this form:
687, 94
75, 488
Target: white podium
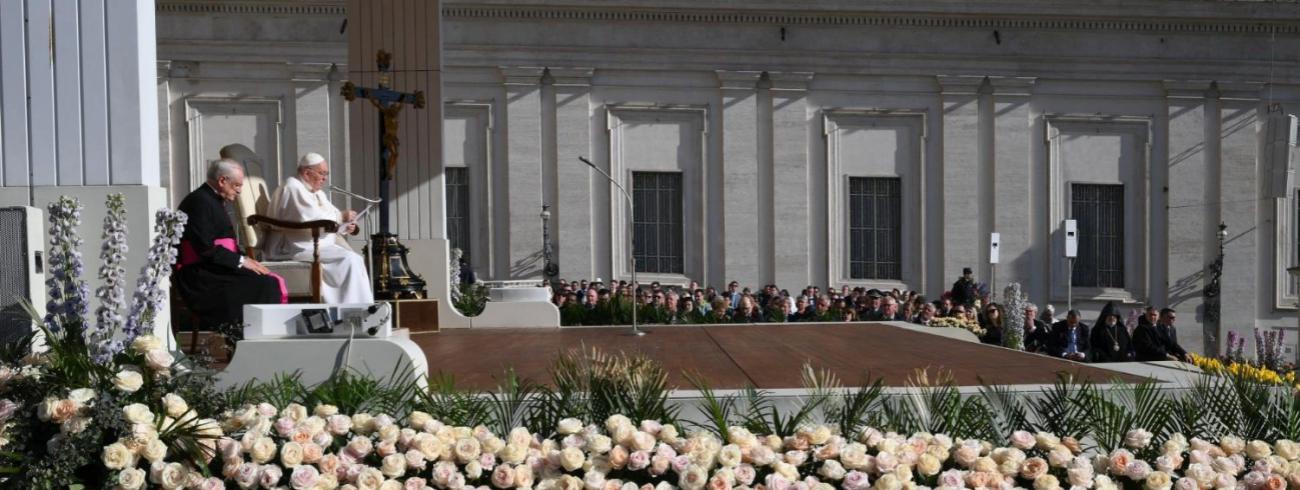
275, 344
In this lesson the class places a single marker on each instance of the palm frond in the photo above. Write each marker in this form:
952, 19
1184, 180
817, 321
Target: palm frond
716, 411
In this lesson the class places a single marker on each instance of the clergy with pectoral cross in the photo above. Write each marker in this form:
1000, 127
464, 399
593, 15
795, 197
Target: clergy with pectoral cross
393, 277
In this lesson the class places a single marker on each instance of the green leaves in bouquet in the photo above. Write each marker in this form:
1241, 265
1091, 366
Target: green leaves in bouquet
453, 406
1007, 409
717, 411
858, 409
591, 386
1113, 412
472, 300
762, 416
354, 392
1056, 410
509, 406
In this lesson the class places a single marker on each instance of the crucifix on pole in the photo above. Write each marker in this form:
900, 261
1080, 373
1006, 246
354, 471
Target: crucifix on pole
392, 276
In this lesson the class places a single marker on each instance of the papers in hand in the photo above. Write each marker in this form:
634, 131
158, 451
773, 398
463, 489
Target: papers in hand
356, 218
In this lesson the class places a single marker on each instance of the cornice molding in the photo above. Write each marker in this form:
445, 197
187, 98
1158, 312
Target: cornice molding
522, 75
316, 7
784, 18
868, 19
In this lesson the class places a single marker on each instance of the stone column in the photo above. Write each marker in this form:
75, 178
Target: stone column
790, 179
740, 229
524, 170
571, 219
1239, 205
1011, 191
1190, 183
961, 166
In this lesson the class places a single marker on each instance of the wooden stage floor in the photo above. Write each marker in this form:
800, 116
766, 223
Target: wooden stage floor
765, 356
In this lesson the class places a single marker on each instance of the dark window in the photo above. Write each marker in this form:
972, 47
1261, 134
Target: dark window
875, 228
458, 208
657, 221
1099, 211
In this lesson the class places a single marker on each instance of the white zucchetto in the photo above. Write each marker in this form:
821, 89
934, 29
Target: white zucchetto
310, 159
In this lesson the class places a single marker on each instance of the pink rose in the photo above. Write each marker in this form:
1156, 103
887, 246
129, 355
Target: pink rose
323, 439
966, 455
212, 483
488, 461
266, 410
328, 464
7, 409
718, 483
415, 460
415, 484
246, 475
857, 480
385, 449
1186, 483
338, 424
1033, 468
886, 462
300, 435
680, 464
359, 447
352, 472
745, 474
284, 426
618, 457
952, 478
1023, 440
1119, 460
311, 453
1198, 456
777, 482
652, 427
503, 476
269, 476
1137, 470
304, 477
638, 460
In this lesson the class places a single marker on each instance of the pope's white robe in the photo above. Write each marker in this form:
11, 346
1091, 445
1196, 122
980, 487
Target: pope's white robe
343, 271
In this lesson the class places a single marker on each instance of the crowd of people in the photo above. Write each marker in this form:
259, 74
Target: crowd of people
1149, 336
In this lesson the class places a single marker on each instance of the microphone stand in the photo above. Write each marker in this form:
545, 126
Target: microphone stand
370, 203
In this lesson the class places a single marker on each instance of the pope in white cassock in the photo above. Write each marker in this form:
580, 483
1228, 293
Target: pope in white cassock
303, 198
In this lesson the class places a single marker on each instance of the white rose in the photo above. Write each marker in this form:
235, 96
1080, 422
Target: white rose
473, 470
290, 454
174, 405
131, 479
928, 465
394, 465
294, 411
154, 451
1258, 450
1158, 480
417, 419
138, 413
173, 475
116, 456
1046, 482
599, 444
572, 458
729, 456
159, 359
466, 449
128, 380
1137, 439
1287, 449
832, 470
326, 410
82, 396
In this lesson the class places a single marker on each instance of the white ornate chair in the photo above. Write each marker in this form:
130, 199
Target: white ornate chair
303, 279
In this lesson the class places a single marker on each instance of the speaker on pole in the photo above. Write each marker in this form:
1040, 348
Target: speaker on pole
23, 261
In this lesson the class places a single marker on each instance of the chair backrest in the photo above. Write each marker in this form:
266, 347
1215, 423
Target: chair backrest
253, 198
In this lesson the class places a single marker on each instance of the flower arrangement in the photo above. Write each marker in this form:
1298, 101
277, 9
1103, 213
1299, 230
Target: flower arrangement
1013, 311
958, 322
322, 448
1244, 370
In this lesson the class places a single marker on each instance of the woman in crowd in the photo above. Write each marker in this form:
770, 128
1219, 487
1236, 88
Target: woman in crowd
991, 322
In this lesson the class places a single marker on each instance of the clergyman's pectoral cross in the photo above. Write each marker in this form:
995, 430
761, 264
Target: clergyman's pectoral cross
389, 102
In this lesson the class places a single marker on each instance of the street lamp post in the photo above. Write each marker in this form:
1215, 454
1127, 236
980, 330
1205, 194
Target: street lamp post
549, 269
1212, 292
631, 241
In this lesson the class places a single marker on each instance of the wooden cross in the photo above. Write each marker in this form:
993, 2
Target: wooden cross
390, 103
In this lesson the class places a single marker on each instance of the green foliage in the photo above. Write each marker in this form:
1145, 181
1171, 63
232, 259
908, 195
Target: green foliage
717, 411
1114, 412
1007, 409
855, 410
472, 300
938, 407
444, 402
591, 386
354, 392
1056, 411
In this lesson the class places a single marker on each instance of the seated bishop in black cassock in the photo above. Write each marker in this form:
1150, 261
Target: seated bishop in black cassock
213, 278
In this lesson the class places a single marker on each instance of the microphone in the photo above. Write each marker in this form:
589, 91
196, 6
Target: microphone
343, 191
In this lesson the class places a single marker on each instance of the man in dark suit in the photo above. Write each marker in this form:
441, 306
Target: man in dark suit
1159, 342
1069, 338
212, 276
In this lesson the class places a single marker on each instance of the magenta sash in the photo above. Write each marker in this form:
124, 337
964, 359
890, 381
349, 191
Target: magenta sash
190, 256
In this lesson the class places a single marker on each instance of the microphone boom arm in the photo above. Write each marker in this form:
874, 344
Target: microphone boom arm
348, 193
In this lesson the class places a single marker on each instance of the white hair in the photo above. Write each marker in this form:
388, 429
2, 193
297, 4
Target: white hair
224, 167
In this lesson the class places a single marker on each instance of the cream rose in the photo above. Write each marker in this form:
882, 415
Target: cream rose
174, 405
159, 359
145, 343
928, 465
116, 456
154, 451
1258, 450
572, 458
263, 450
291, 454
1137, 438
128, 380
1232, 445
1033, 468
393, 466
729, 456
523, 476
173, 475
1023, 440
466, 450
568, 426
138, 413
1046, 482
1158, 480
131, 479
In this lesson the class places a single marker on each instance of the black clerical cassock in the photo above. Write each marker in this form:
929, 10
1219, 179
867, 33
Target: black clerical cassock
208, 276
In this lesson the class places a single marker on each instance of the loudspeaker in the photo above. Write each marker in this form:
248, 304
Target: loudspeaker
22, 258
1071, 238
1280, 152
995, 240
